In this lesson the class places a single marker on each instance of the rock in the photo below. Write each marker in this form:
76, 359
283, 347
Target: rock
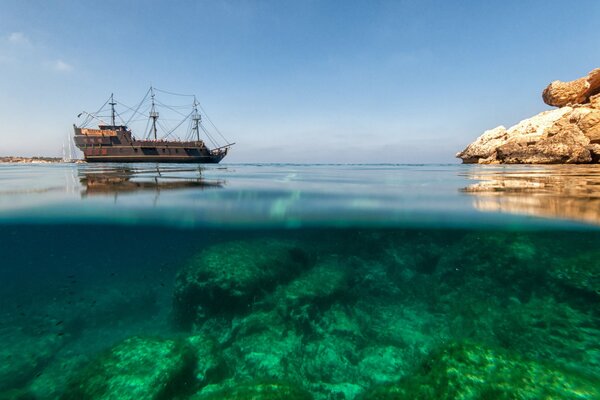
412, 330
499, 259
337, 391
255, 391
24, 356
580, 272
470, 372
264, 347
332, 360
579, 91
480, 274
55, 378
525, 142
210, 365
564, 143
137, 369
564, 136
382, 364
568, 135
332, 354
228, 278
545, 329
484, 148
317, 287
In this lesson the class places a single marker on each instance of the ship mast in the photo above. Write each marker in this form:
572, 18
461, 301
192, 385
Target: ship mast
112, 108
196, 118
153, 113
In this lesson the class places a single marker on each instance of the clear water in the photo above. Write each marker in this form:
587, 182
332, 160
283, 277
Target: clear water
299, 281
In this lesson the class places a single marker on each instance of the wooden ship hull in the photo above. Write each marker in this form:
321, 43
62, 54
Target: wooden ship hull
116, 143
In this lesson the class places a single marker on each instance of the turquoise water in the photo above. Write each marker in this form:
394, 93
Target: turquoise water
299, 282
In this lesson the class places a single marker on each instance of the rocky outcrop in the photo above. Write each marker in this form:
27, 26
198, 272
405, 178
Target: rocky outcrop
469, 371
25, 355
567, 135
273, 390
137, 368
580, 272
231, 277
315, 288
579, 91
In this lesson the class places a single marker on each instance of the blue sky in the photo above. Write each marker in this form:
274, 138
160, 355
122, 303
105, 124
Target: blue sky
295, 81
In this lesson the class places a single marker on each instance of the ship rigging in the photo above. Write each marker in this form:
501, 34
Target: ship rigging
115, 142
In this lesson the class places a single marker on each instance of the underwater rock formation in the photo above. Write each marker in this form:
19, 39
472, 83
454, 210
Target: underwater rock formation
255, 391
230, 277
580, 272
318, 285
17, 394
399, 335
210, 365
463, 371
264, 346
343, 324
560, 94
497, 264
568, 135
23, 356
371, 316
137, 369
543, 328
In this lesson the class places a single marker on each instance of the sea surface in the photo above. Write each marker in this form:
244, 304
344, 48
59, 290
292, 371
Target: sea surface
283, 281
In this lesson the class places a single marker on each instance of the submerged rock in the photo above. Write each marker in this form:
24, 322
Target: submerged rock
210, 365
468, 371
501, 264
320, 285
568, 135
229, 277
264, 347
545, 329
255, 391
527, 132
331, 360
137, 369
382, 364
17, 394
54, 379
580, 272
24, 356
564, 136
400, 335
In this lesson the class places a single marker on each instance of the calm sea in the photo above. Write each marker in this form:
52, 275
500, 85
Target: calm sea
281, 281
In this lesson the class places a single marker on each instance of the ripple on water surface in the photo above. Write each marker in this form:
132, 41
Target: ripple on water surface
514, 197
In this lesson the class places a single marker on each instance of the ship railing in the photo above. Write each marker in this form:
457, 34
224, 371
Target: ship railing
227, 146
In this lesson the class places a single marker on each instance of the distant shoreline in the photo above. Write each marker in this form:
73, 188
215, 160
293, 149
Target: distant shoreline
30, 160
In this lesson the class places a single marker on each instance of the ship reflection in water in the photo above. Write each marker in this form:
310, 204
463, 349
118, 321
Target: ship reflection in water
125, 179
569, 192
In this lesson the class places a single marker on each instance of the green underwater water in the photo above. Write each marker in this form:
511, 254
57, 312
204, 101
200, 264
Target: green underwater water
118, 311
323, 282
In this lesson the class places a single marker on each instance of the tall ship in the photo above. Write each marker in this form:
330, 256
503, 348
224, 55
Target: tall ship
115, 142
